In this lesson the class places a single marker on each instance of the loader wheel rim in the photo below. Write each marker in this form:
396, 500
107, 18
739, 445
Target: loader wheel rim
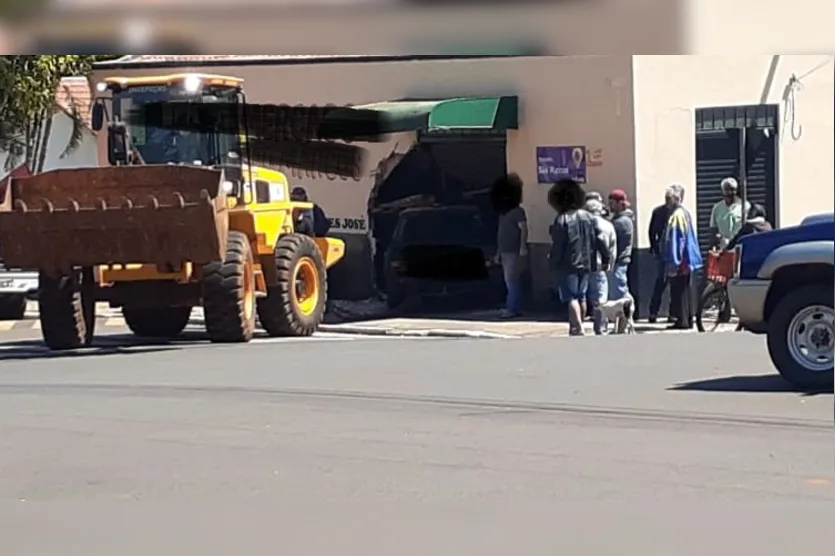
306, 290
249, 291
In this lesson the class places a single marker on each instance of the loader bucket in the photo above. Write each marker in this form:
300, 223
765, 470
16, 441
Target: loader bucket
62, 219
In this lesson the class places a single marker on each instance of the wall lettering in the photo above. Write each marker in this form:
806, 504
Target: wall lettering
348, 224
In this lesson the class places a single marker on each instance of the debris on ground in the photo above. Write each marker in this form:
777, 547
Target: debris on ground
342, 310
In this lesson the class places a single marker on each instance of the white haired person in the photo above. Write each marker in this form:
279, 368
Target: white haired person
598, 279
727, 215
682, 257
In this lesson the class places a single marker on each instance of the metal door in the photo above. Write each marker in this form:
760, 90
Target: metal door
718, 156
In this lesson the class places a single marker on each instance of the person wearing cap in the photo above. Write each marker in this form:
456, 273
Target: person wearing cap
623, 221
727, 215
598, 279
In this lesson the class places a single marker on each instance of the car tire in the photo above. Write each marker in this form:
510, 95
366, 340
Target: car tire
12, 307
794, 312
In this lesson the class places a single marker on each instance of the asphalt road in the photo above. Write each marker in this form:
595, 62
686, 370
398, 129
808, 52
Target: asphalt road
645, 445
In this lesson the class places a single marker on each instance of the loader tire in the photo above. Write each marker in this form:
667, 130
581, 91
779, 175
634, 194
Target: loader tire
296, 305
229, 293
157, 322
67, 310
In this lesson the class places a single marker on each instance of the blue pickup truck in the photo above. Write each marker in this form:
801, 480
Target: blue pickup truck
784, 288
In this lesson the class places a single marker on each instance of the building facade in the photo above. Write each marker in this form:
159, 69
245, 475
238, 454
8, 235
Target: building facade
641, 122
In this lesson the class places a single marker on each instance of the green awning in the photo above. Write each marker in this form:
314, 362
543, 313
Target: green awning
482, 113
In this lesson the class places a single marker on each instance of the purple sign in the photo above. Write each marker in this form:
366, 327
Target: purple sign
556, 163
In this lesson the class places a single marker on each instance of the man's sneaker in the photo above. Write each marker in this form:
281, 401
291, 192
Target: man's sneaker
505, 314
653, 319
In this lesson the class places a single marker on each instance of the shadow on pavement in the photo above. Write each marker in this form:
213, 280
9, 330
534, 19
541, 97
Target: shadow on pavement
764, 384
22, 353
111, 344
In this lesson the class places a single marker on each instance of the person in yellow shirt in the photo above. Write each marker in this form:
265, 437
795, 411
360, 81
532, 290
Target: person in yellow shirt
727, 215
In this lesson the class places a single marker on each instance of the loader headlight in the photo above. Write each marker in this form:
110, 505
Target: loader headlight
192, 84
228, 187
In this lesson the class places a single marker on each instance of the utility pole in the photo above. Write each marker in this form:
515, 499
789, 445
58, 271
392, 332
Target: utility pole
743, 172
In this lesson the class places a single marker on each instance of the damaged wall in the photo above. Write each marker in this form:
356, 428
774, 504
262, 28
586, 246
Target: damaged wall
347, 202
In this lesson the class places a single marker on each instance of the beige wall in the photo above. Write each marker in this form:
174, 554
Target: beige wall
84, 155
757, 26
667, 89
563, 101
556, 27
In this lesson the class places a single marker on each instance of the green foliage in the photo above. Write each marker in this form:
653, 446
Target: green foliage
27, 97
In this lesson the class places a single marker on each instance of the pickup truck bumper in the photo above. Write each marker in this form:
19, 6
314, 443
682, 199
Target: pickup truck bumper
748, 300
25, 283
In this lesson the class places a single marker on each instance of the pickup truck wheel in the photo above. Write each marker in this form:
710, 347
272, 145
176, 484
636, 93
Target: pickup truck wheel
801, 337
12, 307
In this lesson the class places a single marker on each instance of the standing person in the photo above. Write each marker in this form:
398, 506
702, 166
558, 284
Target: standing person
599, 283
622, 220
657, 229
575, 245
314, 222
754, 224
682, 257
726, 215
512, 239
596, 196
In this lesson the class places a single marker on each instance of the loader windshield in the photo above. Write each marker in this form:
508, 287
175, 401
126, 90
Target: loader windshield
168, 126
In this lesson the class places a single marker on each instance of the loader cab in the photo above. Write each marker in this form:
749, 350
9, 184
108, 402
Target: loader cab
191, 119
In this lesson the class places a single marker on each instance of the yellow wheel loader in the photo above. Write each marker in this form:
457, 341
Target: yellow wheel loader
176, 220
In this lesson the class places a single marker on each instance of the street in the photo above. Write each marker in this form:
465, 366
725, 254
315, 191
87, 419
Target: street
648, 444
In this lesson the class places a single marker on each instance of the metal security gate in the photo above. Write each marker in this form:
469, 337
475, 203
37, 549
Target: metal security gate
719, 155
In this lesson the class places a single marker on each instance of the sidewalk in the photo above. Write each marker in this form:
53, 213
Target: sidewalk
473, 325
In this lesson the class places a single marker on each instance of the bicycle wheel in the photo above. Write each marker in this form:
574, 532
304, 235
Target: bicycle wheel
714, 308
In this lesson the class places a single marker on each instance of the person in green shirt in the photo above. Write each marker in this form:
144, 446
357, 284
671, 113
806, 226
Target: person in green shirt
727, 215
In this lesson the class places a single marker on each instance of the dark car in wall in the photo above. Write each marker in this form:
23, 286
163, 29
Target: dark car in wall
443, 254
